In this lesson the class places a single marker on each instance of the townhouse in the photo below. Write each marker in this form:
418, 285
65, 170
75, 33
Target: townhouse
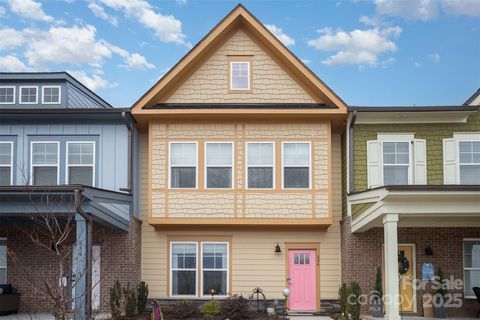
66, 160
412, 203
241, 177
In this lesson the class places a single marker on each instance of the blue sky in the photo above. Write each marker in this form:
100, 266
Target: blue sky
370, 52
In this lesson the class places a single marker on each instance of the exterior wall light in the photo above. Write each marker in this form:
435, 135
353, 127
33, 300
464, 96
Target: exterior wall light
278, 249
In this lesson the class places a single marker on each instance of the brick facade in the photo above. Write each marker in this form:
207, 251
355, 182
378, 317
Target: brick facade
362, 253
27, 263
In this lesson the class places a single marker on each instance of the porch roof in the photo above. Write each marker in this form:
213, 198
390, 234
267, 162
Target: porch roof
109, 208
417, 206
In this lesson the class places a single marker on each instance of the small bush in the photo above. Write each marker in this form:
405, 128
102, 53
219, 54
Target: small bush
184, 310
116, 300
343, 297
234, 308
354, 304
142, 297
130, 302
211, 308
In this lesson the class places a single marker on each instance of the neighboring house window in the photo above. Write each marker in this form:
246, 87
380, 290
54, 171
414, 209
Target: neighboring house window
3, 261
45, 161
396, 163
471, 263
6, 163
469, 162
51, 94
28, 94
260, 165
219, 164
7, 95
183, 164
183, 268
215, 268
81, 163
240, 75
296, 165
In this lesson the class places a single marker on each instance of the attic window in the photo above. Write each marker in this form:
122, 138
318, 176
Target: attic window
28, 94
240, 73
7, 95
51, 95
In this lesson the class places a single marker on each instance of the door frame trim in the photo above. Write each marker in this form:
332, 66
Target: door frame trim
305, 246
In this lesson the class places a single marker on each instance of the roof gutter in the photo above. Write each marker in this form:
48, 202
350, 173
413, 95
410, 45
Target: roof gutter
350, 150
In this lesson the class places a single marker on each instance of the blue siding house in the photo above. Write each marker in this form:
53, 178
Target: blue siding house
65, 155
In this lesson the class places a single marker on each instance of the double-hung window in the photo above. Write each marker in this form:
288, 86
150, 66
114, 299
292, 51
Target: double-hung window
7, 95
215, 268
260, 165
51, 94
296, 165
240, 75
183, 164
81, 162
183, 268
469, 162
28, 94
219, 165
44, 163
396, 163
6, 163
471, 264
3, 261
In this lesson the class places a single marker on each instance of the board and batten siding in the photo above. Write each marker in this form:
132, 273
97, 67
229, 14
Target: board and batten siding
254, 262
112, 148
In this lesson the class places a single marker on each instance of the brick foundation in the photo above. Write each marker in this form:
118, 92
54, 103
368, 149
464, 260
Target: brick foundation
26, 262
362, 253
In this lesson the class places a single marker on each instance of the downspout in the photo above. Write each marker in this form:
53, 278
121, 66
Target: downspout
88, 218
129, 126
350, 151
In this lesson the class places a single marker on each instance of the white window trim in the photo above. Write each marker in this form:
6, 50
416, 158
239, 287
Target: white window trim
248, 76
45, 165
227, 269
464, 138
59, 94
11, 160
197, 260
410, 160
68, 165
467, 269
14, 94
170, 165
309, 165
259, 166
6, 266
27, 102
206, 166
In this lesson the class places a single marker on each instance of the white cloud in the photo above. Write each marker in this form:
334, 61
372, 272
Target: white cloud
2, 11
30, 9
12, 64
417, 64
166, 27
93, 82
435, 57
461, 7
408, 9
181, 2
137, 62
282, 36
306, 61
360, 47
99, 12
11, 39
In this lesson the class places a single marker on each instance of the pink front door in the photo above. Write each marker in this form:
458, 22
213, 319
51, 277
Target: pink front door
302, 273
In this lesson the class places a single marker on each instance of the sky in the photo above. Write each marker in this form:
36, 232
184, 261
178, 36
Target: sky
370, 52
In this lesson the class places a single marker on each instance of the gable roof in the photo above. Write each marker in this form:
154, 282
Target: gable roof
78, 95
238, 16
473, 98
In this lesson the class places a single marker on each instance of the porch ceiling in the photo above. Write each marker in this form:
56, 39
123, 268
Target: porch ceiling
417, 206
108, 208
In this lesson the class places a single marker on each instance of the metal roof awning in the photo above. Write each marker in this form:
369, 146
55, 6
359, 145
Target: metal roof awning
109, 208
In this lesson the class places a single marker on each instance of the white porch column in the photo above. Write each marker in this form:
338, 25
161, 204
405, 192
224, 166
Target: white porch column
390, 222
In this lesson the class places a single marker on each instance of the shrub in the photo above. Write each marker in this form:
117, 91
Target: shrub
184, 310
142, 297
116, 300
234, 308
343, 297
130, 302
378, 290
353, 301
211, 308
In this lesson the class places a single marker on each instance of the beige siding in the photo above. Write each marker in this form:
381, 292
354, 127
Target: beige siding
254, 262
210, 82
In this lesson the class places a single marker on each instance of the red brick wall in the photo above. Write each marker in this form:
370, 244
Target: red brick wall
362, 253
120, 260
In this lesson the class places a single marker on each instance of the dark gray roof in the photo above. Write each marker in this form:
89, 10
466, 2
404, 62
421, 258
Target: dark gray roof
77, 94
473, 97
411, 108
